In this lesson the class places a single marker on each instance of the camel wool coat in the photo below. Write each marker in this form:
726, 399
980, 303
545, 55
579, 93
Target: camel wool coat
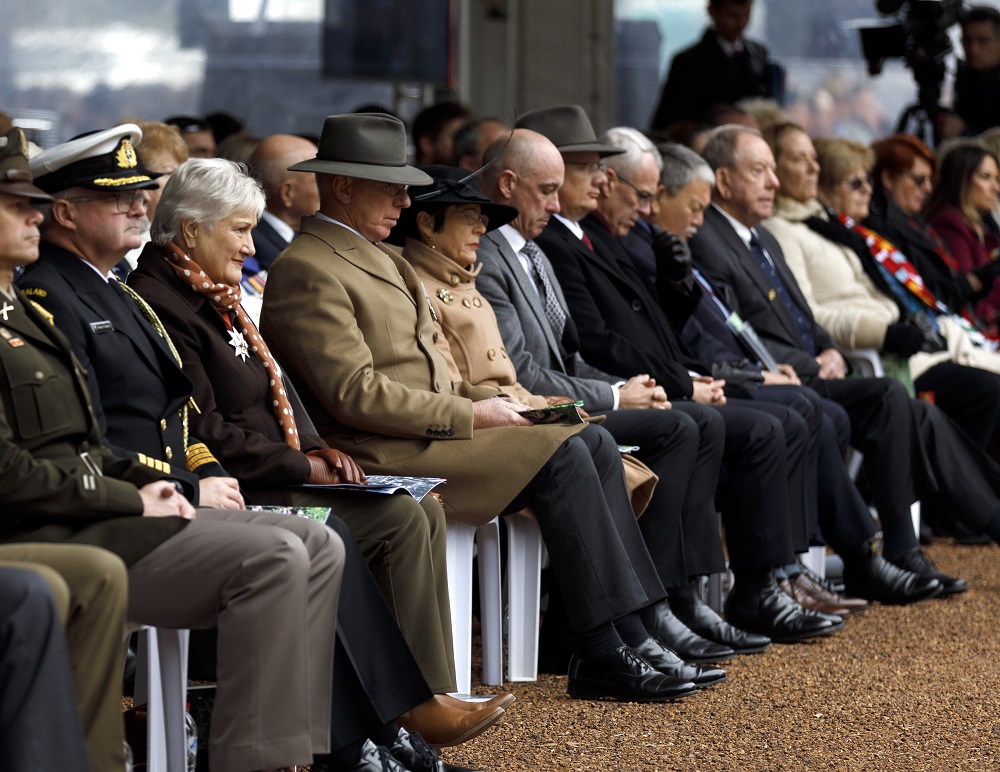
350, 323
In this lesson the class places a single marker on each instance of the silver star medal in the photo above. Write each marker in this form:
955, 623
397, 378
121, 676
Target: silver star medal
239, 343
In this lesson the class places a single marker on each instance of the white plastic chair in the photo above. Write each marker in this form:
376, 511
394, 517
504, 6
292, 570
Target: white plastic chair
161, 683
867, 360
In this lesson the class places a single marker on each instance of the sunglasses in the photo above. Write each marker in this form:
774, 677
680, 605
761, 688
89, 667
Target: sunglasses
857, 183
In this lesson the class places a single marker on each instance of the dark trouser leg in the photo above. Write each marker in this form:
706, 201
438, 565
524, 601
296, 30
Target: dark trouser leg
376, 678
39, 725
670, 445
964, 478
703, 553
968, 396
596, 550
754, 495
404, 544
803, 480
883, 427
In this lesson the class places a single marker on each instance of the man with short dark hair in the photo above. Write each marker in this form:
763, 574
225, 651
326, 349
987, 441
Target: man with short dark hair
977, 82
433, 129
721, 68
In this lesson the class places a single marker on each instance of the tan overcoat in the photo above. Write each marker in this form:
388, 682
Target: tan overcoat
350, 323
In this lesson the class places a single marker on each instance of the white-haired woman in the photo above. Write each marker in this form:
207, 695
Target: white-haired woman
190, 276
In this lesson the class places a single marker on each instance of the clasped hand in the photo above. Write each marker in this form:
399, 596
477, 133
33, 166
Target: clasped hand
331, 467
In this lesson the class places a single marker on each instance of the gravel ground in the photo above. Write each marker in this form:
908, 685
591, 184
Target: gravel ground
900, 688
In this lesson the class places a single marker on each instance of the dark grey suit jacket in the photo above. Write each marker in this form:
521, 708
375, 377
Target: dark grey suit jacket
726, 262
527, 335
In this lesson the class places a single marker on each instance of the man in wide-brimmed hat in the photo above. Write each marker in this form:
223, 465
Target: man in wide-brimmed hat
350, 322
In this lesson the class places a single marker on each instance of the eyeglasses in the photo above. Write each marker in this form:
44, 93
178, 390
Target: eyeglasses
644, 197
124, 200
473, 217
394, 189
590, 168
857, 183
919, 179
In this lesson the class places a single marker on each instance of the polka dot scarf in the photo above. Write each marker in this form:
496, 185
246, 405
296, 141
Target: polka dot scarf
226, 299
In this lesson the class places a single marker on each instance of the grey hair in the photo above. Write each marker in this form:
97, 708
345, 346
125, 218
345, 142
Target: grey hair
205, 190
681, 165
635, 144
720, 149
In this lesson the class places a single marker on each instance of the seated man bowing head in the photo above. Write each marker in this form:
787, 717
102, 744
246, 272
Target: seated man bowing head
348, 319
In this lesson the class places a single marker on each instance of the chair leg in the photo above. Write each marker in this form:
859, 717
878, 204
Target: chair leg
490, 604
459, 560
524, 564
161, 684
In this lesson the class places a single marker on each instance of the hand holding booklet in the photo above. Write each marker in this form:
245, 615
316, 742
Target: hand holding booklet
563, 413
418, 487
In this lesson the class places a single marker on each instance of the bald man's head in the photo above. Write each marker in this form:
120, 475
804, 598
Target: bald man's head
527, 175
290, 195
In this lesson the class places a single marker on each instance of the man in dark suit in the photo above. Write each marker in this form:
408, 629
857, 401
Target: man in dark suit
290, 197
85, 235
721, 68
60, 484
911, 450
680, 525
776, 620
708, 329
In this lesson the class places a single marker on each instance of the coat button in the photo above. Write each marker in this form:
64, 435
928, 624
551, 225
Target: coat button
430, 432
163, 424
477, 302
467, 303
169, 453
435, 337
39, 375
636, 305
450, 432
437, 386
491, 354
503, 353
454, 279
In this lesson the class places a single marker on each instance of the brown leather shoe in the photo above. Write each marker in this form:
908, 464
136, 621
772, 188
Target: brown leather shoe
500, 701
441, 723
812, 595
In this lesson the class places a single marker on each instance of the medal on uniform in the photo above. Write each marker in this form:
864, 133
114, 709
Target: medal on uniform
239, 343
7, 308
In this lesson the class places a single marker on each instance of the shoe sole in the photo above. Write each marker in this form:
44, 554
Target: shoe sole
707, 660
475, 731
713, 682
806, 636
755, 649
932, 593
585, 692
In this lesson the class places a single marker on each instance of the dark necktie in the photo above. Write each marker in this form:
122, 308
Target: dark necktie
779, 290
553, 311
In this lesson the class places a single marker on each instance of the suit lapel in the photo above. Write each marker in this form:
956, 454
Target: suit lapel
748, 265
530, 292
378, 261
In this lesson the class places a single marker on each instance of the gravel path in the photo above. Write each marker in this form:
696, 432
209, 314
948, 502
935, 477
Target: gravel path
900, 688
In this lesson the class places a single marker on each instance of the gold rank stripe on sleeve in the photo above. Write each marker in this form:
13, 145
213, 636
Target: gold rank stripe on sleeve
198, 455
47, 315
154, 463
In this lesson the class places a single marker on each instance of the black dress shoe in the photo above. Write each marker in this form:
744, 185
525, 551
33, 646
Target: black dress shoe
687, 605
410, 750
689, 646
916, 561
623, 675
667, 662
374, 758
767, 610
868, 575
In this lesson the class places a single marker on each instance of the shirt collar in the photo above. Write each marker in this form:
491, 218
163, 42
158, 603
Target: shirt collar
321, 216
283, 229
513, 236
742, 231
573, 226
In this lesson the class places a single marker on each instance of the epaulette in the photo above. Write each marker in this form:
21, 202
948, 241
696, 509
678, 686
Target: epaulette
198, 455
154, 463
46, 314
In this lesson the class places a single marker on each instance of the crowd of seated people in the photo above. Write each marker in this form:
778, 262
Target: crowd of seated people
189, 337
